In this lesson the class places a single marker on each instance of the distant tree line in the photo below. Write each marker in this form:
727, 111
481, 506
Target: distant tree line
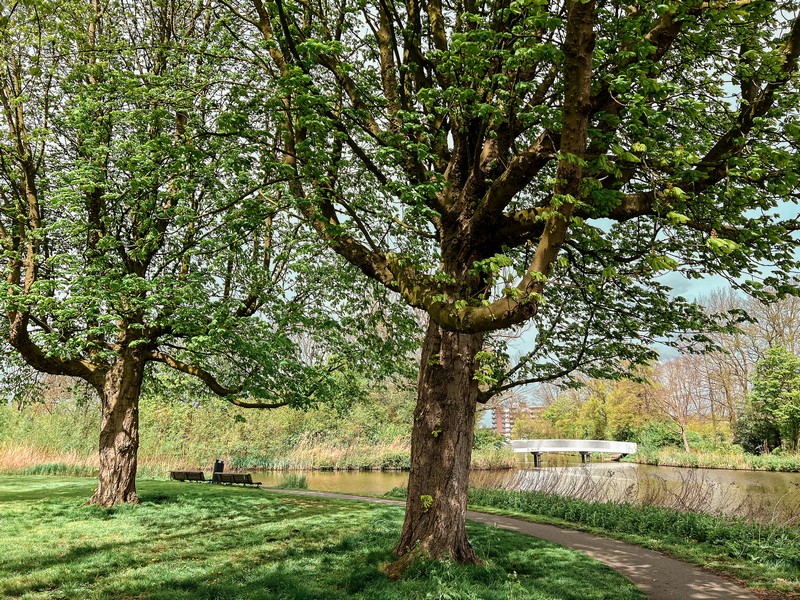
746, 392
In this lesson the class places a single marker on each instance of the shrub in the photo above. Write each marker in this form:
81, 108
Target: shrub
754, 433
396, 460
658, 435
293, 481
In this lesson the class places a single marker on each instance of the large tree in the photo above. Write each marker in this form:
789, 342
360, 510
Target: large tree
497, 163
134, 228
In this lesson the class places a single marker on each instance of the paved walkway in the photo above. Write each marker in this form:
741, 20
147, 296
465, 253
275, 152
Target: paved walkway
658, 576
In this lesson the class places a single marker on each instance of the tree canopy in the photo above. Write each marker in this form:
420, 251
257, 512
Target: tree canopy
512, 162
138, 224
426, 136
775, 398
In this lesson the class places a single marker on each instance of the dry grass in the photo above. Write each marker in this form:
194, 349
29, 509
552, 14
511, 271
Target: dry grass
15, 458
493, 458
307, 455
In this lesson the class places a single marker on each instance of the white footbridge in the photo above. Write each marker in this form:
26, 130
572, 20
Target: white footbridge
584, 447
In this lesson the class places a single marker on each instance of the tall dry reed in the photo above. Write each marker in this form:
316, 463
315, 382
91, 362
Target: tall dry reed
15, 458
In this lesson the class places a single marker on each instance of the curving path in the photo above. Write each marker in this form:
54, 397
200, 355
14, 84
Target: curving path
658, 576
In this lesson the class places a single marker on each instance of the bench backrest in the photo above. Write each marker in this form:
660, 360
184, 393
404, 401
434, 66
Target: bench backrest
187, 476
234, 478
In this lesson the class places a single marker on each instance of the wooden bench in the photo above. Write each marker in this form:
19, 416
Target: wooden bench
236, 479
187, 476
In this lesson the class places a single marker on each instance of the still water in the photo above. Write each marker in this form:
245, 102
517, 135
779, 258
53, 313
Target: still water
766, 496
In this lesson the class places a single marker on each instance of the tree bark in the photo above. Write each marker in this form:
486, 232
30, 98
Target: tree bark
441, 450
685, 439
119, 430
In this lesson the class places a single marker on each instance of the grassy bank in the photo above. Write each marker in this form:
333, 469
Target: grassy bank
25, 459
202, 542
763, 556
729, 458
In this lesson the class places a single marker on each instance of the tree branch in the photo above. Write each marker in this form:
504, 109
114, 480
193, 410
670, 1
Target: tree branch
201, 374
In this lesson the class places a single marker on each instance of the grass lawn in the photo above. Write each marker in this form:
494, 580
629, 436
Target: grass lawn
761, 556
193, 541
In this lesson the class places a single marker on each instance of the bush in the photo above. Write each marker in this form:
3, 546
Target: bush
399, 492
658, 435
396, 460
775, 462
487, 438
293, 481
755, 434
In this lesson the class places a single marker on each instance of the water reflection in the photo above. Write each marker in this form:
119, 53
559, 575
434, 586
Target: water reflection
760, 495
371, 483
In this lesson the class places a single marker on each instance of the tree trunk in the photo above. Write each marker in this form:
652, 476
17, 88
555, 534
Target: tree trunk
685, 439
119, 430
441, 450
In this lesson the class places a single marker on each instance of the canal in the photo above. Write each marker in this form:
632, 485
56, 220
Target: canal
762, 495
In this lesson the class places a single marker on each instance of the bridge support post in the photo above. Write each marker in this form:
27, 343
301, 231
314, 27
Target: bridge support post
537, 459
586, 457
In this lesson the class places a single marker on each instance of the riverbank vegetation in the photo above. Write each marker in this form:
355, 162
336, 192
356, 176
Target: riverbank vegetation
183, 427
716, 458
762, 555
202, 542
737, 407
686, 490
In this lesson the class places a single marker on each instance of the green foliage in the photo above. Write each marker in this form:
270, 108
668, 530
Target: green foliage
717, 458
293, 481
775, 462
774, 402
685, 173
426, 501
182, 426
60, 469
598, 409
172, 547
658, 435
398, 493
158, 226
487, 438
756, 433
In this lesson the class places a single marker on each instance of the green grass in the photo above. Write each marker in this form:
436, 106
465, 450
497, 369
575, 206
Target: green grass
764, 556
59, 468
293, 481
202, 542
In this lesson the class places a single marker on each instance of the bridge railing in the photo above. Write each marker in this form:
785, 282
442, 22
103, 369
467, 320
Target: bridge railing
573, 446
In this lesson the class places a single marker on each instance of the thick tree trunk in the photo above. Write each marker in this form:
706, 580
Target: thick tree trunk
441, 450
119, 431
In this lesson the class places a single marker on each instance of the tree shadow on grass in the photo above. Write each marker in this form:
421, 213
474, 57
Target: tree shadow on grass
247, 546
295, 530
